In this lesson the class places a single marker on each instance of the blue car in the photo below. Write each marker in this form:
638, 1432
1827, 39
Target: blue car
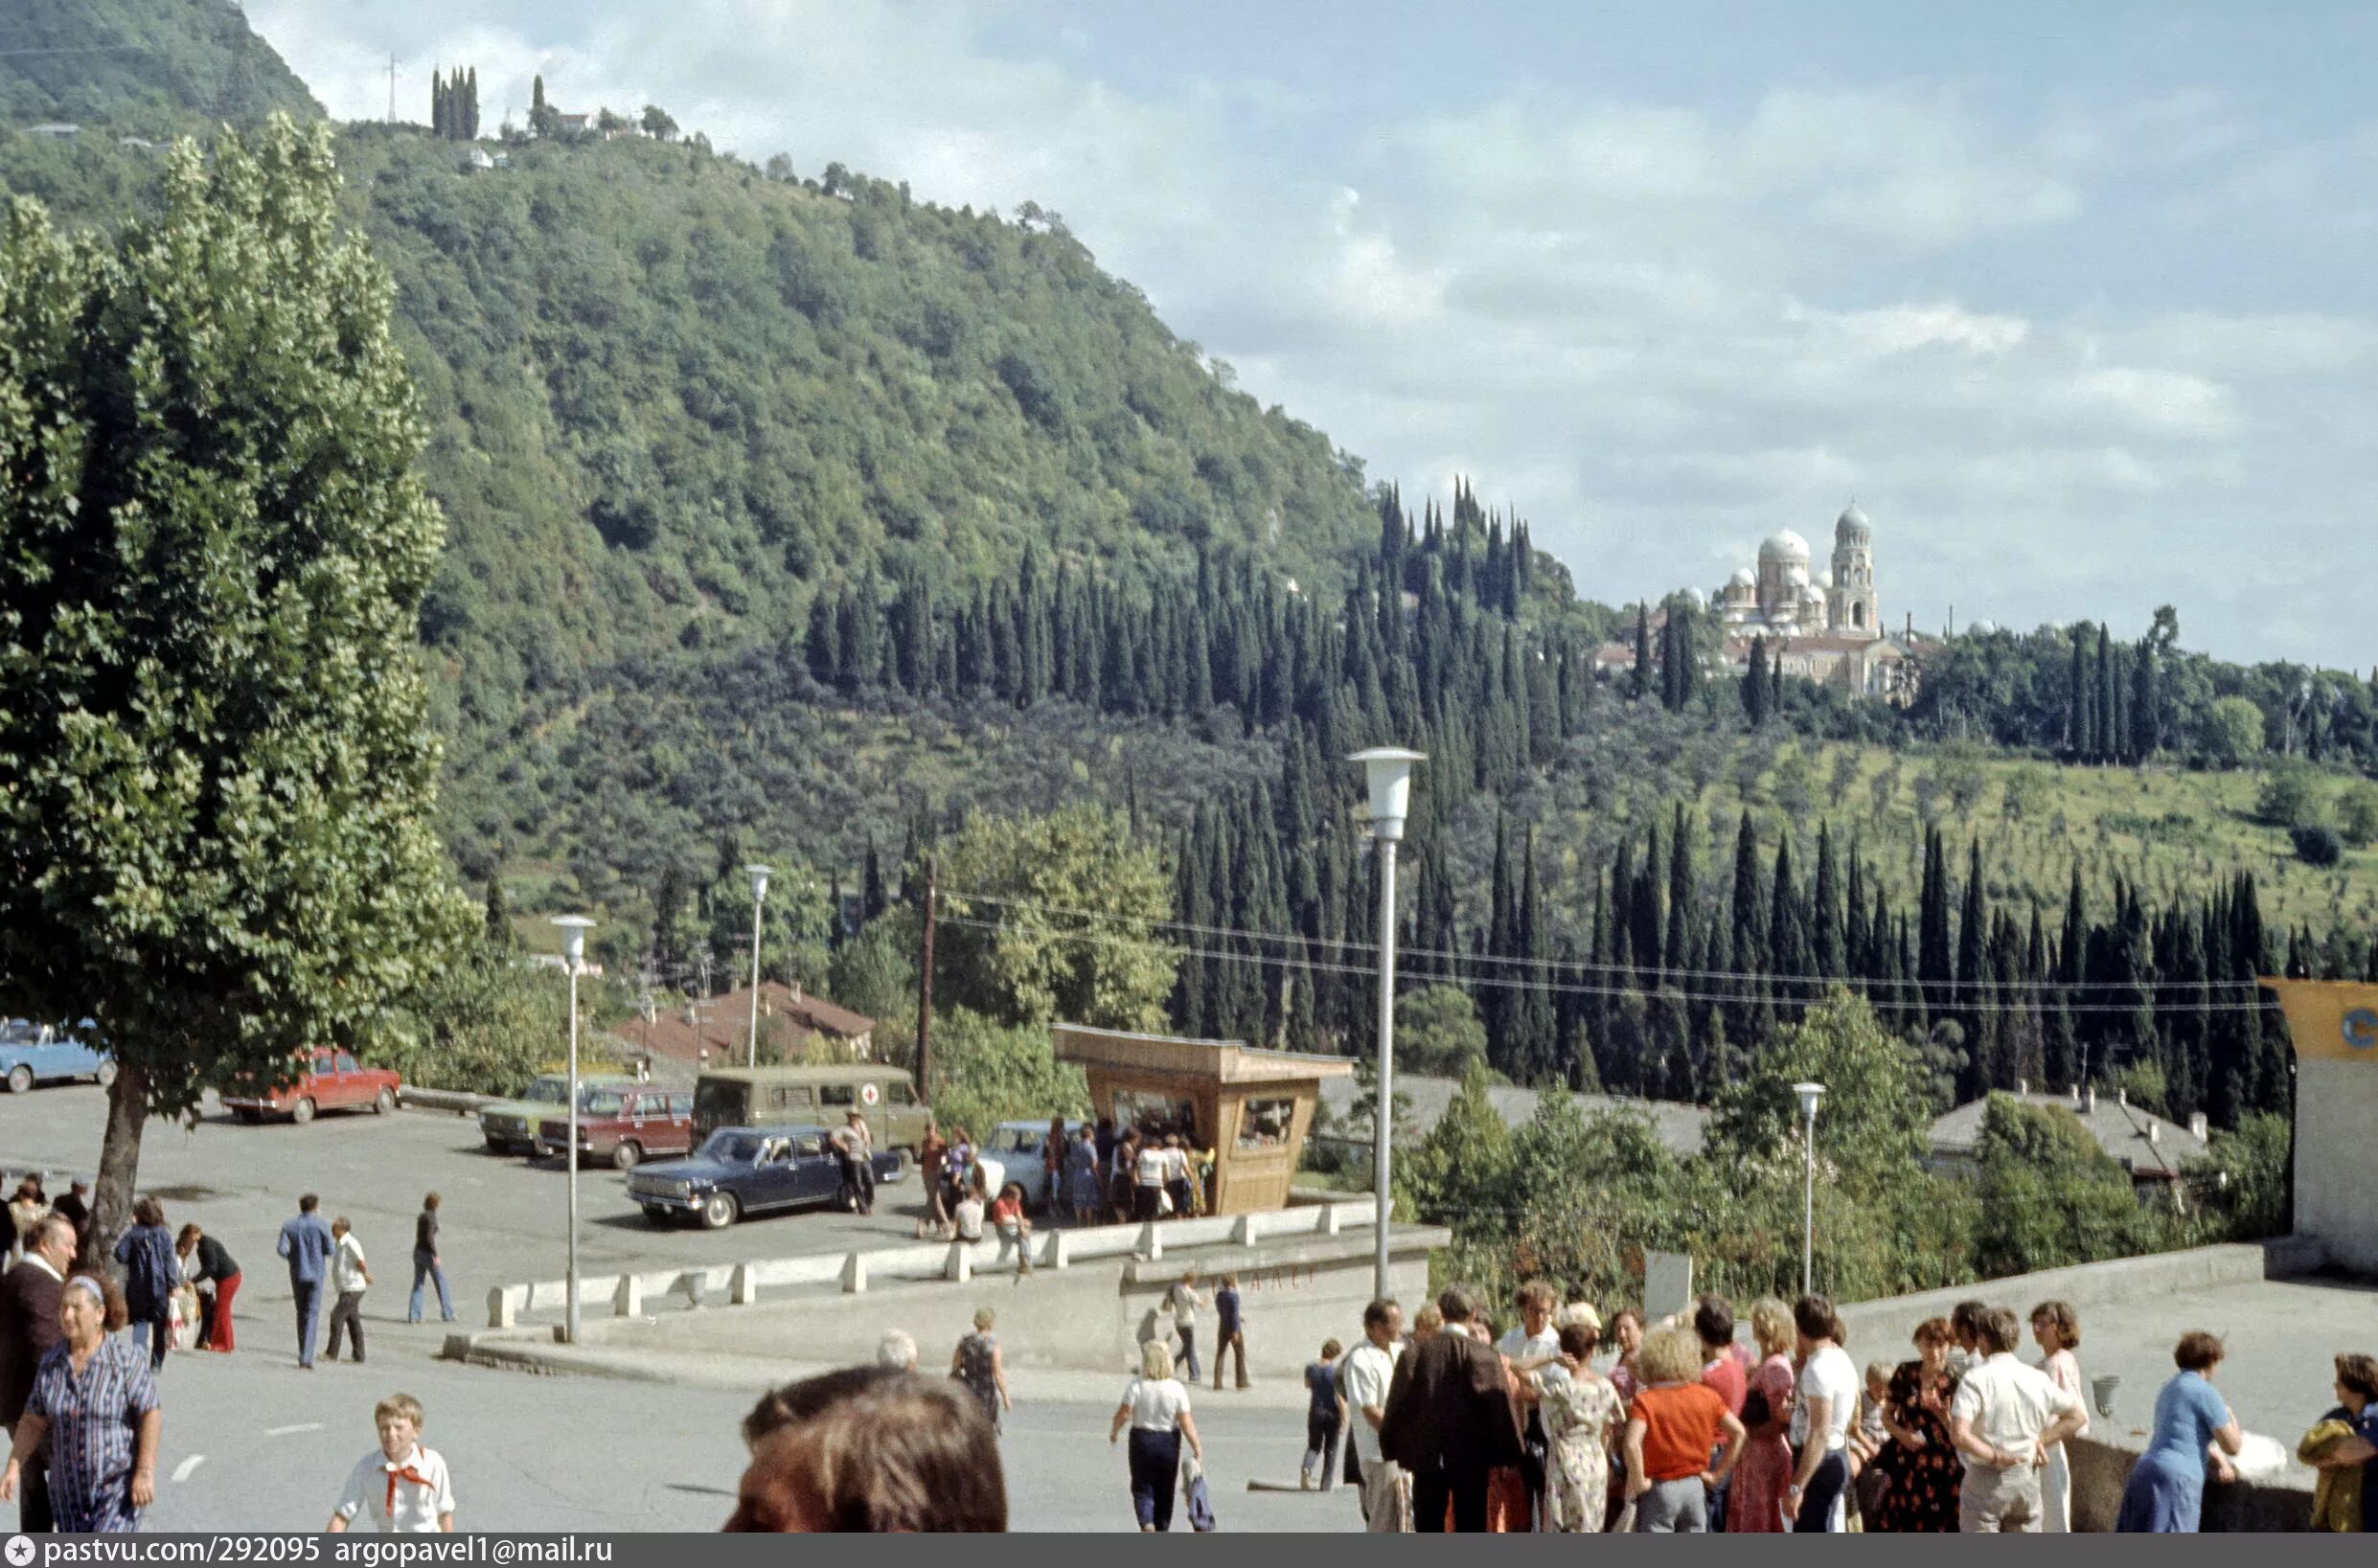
31, 1053
744, 1171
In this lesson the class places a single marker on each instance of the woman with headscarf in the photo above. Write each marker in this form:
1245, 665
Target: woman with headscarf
95, 1403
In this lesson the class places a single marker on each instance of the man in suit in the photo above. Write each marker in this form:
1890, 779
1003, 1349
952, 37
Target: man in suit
308, 1244
29, 1327
1450, 1420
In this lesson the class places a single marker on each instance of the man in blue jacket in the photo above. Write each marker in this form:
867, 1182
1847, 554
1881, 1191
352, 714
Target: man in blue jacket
307, 1243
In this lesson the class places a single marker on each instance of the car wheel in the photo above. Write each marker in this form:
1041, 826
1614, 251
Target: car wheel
105, 1076
384, 1103
303, 1111
627, 1156
21, 1079
658, 1217
718, 1210
496, 1146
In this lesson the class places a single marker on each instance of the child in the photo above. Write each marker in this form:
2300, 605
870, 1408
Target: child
1867, 1440
402, 1487
1324, 1418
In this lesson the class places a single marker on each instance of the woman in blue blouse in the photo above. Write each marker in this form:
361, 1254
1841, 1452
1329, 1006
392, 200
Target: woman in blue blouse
2166, 1491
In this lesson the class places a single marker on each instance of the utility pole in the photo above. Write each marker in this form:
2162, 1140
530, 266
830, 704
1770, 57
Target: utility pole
924, 987
392, 88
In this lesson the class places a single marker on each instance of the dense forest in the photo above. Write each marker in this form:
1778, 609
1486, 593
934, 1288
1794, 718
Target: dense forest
791, 511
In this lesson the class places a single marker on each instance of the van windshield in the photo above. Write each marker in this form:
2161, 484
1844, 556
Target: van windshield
732, 1147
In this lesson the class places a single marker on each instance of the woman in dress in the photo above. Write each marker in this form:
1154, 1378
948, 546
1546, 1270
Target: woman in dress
1627, 1333
1755, 1504
1081, 1178
1922, 1462
95, 1403
151, 1272
978, 1365
2165, 1495
1155, 1408
1581, 1414
2057, 1329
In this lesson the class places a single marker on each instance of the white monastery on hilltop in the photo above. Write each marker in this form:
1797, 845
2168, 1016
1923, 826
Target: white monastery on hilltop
1780, 598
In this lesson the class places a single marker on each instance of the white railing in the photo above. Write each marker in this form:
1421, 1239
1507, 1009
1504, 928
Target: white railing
739, 1284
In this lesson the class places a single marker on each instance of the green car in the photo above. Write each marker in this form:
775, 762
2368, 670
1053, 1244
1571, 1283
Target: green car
510, 1125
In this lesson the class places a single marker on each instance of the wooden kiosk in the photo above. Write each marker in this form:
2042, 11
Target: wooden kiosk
1251, 1108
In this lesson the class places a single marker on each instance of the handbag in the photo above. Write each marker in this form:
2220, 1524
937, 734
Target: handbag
1198, 1500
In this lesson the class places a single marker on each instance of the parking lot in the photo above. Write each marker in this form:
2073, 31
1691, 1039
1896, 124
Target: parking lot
504, 1218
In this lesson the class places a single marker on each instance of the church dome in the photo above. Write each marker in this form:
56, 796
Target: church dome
1742, 579
1784, 546
1853, 527
1824, 579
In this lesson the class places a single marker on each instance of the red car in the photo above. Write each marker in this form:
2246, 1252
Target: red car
625, 1125
334, 1082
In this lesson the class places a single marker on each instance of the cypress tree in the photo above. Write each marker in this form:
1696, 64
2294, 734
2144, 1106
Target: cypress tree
1934, 964
1745, 940
1825, 951
1754, 684
1639, 681
1972, 961
1681, 893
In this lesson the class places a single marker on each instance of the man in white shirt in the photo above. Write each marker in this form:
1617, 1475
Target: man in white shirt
968, 1221
2006, 1418
1820, 1420
350, 1275
1533, 1341
400, 1487
1364, 1378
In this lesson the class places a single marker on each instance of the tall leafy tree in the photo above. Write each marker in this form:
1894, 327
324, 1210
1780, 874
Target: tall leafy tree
219, 839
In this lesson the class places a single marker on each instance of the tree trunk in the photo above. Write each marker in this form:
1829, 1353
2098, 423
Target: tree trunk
119, 1164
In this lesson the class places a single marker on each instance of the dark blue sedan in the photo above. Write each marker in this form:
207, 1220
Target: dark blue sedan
744, 1171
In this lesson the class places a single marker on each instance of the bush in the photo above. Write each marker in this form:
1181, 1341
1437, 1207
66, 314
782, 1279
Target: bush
2315, 845
985, 1073
2290, 795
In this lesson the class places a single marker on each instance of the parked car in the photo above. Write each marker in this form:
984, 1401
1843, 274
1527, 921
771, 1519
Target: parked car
332, 1080
744, 1171
743, 1097
510, 1125
1014, 1147
626, 1127
31, 1053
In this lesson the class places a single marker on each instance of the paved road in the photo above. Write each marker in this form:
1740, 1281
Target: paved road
504, 1218
251, 1443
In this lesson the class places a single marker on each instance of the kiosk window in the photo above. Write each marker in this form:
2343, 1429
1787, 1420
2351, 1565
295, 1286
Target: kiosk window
1265, 1124
1160, 1112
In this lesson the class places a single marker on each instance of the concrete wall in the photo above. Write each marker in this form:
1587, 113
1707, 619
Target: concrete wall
2100, 1470
1090, 1316
1882, 1328
2337, 1159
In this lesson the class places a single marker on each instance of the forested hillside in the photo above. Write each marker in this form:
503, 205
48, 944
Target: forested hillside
145, 68
792, 517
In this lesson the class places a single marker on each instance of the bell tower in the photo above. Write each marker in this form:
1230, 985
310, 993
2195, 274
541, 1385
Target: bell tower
1852, 606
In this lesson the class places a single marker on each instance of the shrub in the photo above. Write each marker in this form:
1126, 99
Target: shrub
2315, 845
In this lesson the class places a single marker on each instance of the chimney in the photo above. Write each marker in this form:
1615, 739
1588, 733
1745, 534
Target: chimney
2198, 1128
2154, 1133
2089, 1100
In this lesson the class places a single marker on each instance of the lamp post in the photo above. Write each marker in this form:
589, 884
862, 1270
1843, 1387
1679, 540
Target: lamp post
759, 897
573, 956
1810, 1094
1388, 772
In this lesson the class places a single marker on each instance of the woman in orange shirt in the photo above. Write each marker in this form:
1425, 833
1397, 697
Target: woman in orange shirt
1672, 1427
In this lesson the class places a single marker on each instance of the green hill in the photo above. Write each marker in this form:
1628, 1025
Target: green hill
140, 67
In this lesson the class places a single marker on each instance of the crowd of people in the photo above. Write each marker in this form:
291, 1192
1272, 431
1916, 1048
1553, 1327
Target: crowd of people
1687, 1427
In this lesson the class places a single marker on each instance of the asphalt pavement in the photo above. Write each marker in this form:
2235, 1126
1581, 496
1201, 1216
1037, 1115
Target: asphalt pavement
253, 1443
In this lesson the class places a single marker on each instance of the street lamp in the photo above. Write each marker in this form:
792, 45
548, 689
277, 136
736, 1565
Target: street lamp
1810, 1094
759, 897
573, 957
1388, 771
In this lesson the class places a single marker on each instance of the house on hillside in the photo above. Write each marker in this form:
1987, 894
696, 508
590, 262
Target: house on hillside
718, 1029
56, 130
2151, 1149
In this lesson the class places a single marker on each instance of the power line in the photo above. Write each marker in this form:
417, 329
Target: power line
1433, 977
1662, 974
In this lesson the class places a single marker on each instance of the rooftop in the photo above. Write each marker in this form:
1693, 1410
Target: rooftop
2145, 1144
1232, 1062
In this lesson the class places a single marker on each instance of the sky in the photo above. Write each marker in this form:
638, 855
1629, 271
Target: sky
2075, 302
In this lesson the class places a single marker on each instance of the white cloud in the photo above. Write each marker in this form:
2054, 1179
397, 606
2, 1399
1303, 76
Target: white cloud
1657, 329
